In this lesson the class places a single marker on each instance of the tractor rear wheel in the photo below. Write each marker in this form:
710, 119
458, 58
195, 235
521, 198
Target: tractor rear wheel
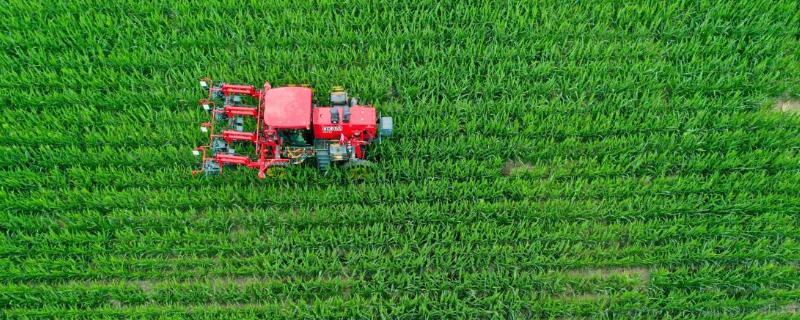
323, 160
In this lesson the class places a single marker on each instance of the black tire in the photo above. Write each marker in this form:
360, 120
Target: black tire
323, 160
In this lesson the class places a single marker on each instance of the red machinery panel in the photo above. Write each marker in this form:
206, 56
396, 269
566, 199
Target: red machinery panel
287, 108
362, 118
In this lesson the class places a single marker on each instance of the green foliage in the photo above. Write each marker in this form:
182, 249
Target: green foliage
591, 159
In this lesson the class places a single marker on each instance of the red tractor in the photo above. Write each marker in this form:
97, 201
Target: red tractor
282, 126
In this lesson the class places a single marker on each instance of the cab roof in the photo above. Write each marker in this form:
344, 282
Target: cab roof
287, 107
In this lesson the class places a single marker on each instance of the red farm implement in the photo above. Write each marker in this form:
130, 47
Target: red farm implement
262, 128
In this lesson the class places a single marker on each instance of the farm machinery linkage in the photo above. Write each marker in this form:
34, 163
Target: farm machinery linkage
268, 127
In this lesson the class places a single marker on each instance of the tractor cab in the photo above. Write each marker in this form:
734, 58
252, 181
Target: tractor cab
287, 111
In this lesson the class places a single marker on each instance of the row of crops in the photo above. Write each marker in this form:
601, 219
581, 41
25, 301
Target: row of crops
599, 159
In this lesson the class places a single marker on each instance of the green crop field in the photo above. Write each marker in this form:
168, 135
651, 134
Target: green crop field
581, 159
